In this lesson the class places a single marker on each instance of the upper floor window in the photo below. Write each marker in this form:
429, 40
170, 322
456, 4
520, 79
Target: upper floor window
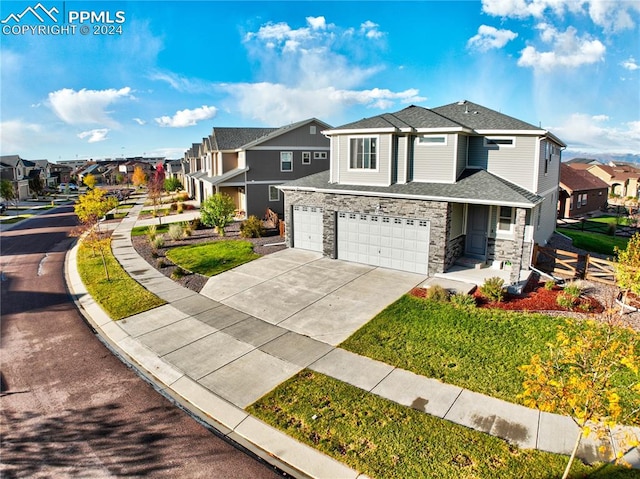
435, 140
286, 161
319, 155
363, 153
312, 130
499, 141
306, 157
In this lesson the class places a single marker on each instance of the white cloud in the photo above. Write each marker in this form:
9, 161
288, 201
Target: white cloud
317, 23
94, 136
610, 15
592, 133
17, 135
186, 117
567, 50
86, 107
140, 121
182, 83
370, 30
277, 104
490, 37
630, 64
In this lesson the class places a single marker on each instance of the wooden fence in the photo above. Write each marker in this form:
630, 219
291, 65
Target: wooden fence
598, 227
568, 265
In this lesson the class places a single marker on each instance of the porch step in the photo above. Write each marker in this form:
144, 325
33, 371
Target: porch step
470, 262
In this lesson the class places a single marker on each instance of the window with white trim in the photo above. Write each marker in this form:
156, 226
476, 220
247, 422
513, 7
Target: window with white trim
500, 141
312, 129
363, 154
432, 140
306, 157
319, 155
274, 193
505, 219
286, 161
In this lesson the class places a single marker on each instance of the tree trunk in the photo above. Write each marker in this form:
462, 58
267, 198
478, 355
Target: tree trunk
573, 455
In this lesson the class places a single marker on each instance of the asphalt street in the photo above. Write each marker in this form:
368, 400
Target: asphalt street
68, 406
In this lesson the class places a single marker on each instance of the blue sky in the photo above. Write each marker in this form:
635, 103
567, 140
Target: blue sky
175, 69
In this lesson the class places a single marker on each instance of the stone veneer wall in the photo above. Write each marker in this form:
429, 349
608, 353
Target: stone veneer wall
434, 211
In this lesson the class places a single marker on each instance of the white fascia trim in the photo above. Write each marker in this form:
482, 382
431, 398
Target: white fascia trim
360, 131
512, 132
408, 197
234, 183
290, 148
265, 182
443, 130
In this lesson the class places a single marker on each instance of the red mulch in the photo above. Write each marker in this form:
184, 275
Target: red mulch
535, 298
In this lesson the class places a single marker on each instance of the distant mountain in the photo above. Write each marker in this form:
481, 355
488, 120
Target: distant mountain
602, 157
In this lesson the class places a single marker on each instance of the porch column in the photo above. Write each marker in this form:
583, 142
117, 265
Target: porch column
518, 250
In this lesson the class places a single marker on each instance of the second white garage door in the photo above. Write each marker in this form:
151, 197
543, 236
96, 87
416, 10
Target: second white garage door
397, 243
307, 227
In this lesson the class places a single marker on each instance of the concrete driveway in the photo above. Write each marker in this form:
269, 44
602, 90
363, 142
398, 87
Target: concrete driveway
306, 293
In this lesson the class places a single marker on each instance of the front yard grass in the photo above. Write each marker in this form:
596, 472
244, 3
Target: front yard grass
121, 296
214, 257
142, 230
382, 439
594, 242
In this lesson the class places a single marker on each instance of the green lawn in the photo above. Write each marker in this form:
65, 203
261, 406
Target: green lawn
212, 258
594, 242
382, 439
478, 349
121, 296
612, 220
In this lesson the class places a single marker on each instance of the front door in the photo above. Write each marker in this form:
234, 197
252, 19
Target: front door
477, 225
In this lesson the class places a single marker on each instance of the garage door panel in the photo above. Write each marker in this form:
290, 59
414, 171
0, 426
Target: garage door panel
307, 228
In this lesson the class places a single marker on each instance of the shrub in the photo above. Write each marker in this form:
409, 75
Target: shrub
176, 231
161, 263
152, 232
196, 224
549, 285
173, 206
493, 289
463, 300
179, 207
157, 242
566, 300
178, 273
573, 289
252, 228
437, 293
187, 228
217, 211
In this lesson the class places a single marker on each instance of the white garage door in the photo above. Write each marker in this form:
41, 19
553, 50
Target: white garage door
307, 227
397, 243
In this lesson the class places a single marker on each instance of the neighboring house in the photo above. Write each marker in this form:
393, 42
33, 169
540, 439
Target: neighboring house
623, 181
249, 164
418, 189
45, 173
17, 170
580, 192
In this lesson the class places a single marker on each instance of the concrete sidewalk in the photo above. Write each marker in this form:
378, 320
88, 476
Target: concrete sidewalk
219, 351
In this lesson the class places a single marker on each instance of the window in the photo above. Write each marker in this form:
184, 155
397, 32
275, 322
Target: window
306, 157
584, 199
274, 193
505, 218
286, 161
363, 153
312, 130
500, 142
432, 140
571, 202
319, 155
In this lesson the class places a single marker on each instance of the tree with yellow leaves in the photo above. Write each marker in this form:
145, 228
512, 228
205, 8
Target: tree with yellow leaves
590, 374
138, 178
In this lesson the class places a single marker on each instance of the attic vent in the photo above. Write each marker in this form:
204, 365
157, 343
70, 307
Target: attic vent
462, 102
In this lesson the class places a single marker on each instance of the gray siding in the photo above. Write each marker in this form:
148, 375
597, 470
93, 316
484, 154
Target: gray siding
402, 158
515, 164
463, 142
552, 177
264, 165
434, 163
363, 177
258, 201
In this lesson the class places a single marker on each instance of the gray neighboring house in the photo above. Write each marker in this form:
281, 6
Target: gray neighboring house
17, 170
419, 189
249, 164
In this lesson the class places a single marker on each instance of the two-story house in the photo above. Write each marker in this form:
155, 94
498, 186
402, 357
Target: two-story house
249, 164
580, 192
420, 188
17, 170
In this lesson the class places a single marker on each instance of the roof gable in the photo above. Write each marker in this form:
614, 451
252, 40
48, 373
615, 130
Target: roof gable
573, 179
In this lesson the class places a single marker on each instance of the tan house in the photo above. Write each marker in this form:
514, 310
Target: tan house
580, 192
623, 181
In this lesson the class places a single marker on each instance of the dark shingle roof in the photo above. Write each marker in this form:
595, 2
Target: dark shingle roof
478, 117
473, 186
410, 117
229, 138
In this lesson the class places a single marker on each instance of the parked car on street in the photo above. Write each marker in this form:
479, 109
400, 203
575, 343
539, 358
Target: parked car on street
3, 207
71, 186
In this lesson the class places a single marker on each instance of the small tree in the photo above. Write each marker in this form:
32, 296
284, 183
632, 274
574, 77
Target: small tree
138, 178
90, 208
8, 192
217, 211
579, 378
90, 181
156, 187
172, 184
628, 266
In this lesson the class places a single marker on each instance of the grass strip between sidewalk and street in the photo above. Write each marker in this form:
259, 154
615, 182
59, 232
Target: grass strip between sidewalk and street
120, 296
383, 439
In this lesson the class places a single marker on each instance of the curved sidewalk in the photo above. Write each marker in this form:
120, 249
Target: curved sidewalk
216, 360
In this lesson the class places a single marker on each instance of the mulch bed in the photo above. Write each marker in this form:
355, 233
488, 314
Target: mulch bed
194, 281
